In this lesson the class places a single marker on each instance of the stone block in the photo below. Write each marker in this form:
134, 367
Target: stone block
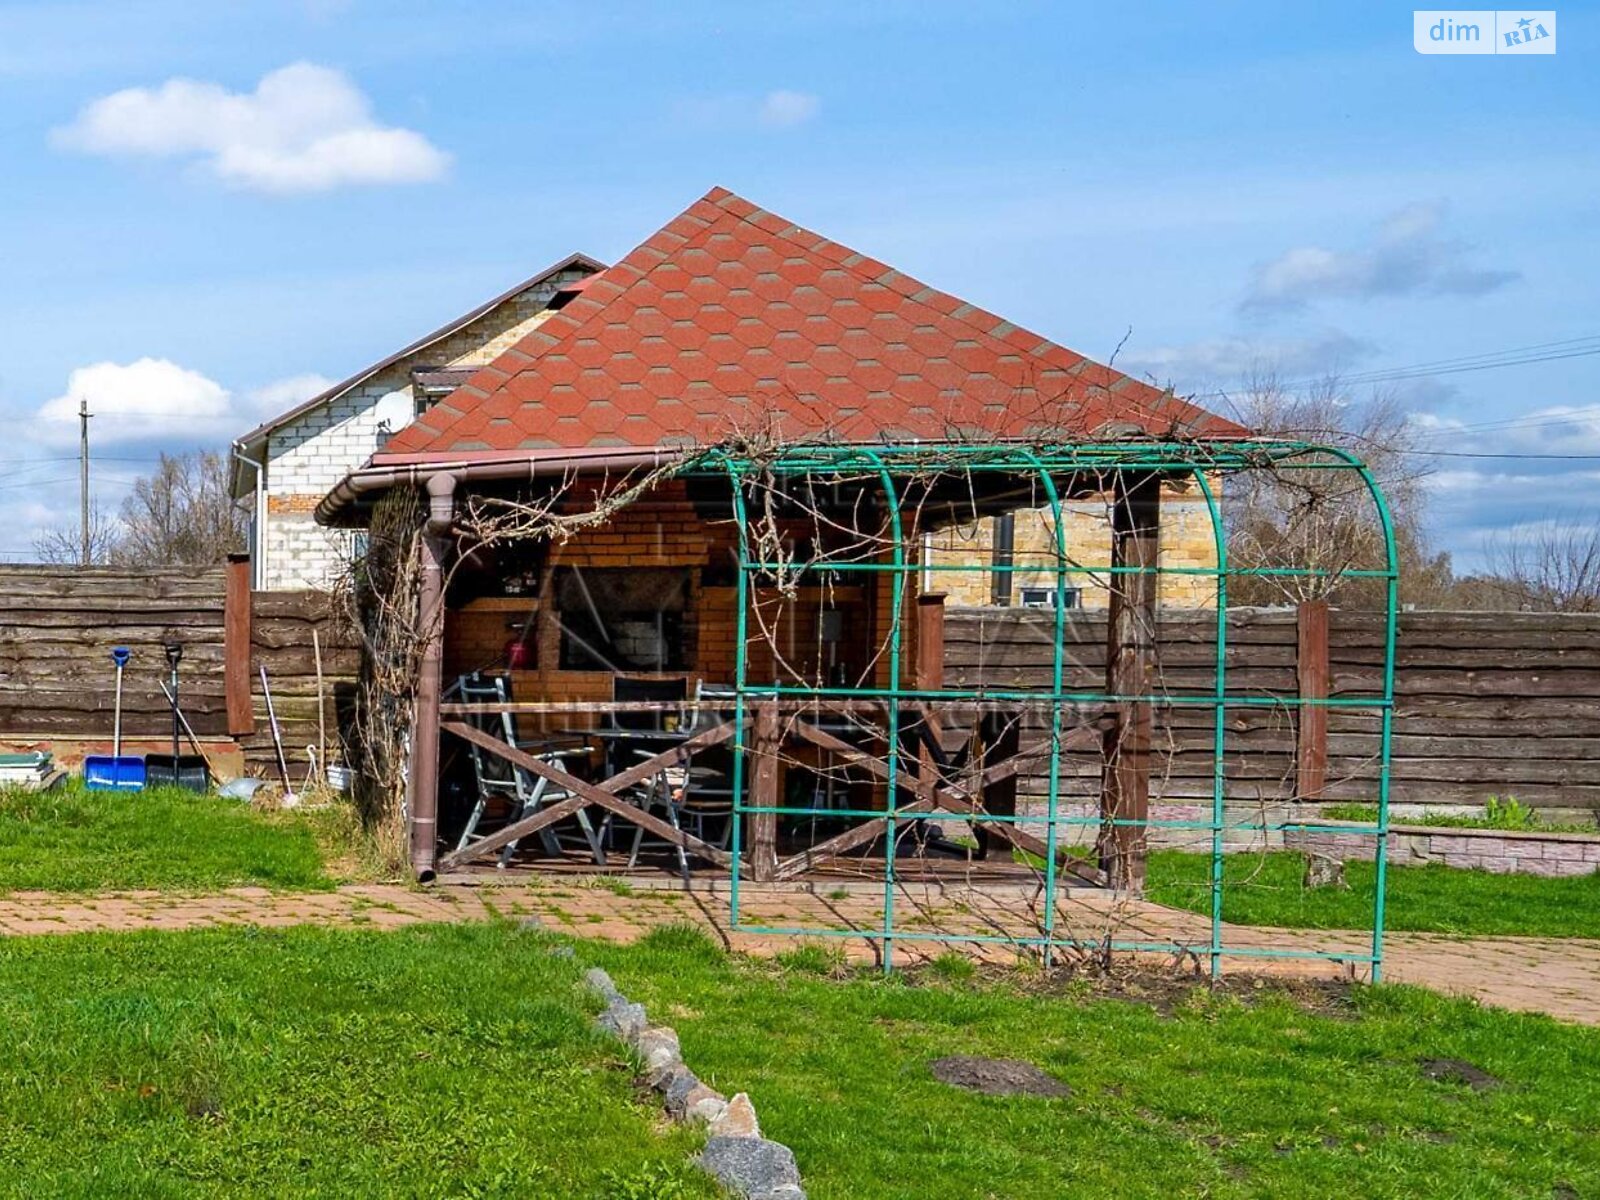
658, 1047
738, 1121
753, 1168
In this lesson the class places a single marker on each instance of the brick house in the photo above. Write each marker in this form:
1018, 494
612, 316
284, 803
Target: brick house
287, 464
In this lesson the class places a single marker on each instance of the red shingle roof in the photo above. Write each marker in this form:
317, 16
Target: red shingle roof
732, 319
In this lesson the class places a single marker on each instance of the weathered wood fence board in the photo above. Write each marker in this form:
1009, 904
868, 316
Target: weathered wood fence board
1486, 703
58, 625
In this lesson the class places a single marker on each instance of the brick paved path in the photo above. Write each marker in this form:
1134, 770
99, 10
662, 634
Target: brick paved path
1560, 977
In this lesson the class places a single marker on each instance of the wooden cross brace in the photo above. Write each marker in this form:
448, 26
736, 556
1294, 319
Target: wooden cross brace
583, 793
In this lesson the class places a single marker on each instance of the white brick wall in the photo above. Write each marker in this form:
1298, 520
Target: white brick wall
306, 457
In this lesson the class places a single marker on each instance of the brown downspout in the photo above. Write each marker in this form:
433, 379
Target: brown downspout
425, 730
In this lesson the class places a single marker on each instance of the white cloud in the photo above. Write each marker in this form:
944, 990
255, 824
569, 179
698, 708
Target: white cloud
1407, 257
146, 399
1232, 360
784, 109
156, 400
304, 129
1478, 500
283, 394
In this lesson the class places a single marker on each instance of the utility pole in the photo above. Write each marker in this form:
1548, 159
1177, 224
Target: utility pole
83, 478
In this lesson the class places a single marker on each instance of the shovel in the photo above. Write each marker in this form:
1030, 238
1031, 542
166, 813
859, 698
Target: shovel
116, 772
176, 770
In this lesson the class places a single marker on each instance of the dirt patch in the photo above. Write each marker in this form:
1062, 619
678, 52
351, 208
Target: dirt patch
997, 1076
1456, 1070
1167, 991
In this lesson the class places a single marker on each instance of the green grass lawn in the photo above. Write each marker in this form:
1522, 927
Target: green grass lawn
1268, 889
446, 1061
1218, 1099
75, 840
458, 1061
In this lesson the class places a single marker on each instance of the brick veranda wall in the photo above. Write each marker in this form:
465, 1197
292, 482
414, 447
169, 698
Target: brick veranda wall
1186, 541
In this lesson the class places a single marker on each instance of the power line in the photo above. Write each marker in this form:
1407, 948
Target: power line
1478, 454
1515, 356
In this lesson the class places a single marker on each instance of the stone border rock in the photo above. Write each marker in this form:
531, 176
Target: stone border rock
735, 1153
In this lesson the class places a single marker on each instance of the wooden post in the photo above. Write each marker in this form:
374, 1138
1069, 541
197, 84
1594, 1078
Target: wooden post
764, 792
1130, 663
1311, 664
930, 642
930, 677
236, 635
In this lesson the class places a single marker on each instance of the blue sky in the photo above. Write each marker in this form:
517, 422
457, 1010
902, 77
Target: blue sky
1282, 185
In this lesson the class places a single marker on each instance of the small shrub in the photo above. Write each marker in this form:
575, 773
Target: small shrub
1507, 812
680, 937
813, 958
952, 966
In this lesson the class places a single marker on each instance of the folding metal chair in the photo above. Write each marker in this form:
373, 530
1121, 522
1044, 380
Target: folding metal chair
524, 791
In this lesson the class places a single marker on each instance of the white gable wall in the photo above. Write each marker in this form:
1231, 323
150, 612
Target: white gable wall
307, 456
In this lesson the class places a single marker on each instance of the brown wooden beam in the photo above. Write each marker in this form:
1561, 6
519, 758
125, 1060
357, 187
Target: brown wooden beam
514, 832
1311, 730
948, 798
764, 780
236, 618
1130, 671
596, 794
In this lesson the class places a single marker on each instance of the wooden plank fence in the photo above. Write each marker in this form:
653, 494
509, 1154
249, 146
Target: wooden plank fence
58, 625
1486, 703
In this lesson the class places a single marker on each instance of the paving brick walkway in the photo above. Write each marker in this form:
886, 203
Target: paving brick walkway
1557, 976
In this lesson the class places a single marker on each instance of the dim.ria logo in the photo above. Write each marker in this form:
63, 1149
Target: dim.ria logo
1484, 31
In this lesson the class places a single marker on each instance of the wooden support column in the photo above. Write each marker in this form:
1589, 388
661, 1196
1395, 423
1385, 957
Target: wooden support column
929, 678
764, 792
236, 620
930, 642
1311, 737
1130, 671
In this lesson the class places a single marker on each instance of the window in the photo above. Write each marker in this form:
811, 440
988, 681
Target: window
1036, 597
618, 619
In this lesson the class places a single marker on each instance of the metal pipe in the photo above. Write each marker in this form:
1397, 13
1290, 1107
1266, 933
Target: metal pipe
380, 477
424, 774
258, 552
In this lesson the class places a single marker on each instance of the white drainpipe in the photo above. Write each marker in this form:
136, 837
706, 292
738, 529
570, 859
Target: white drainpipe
258, 552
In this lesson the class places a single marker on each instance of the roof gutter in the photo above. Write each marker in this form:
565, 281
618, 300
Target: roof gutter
366, 481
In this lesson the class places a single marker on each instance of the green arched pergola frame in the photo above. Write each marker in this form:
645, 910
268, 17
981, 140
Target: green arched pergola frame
892, 465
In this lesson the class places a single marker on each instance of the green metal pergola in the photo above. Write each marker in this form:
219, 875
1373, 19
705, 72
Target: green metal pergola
896, 471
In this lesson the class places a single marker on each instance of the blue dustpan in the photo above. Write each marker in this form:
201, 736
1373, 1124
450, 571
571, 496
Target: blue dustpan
115, 772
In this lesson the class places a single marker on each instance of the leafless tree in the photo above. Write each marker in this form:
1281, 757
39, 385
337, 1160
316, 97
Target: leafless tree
181, 515
63, 546
1326, 519
1552, 567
